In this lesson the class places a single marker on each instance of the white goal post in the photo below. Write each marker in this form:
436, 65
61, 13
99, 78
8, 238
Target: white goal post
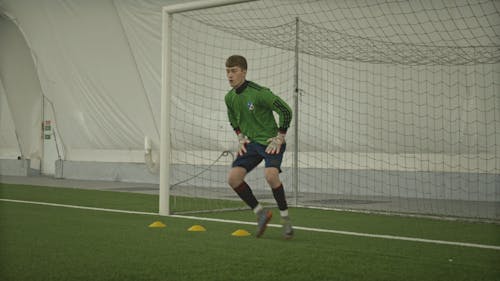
165, 150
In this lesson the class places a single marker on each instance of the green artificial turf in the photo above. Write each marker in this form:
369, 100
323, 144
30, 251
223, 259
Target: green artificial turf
55, 243
111, 199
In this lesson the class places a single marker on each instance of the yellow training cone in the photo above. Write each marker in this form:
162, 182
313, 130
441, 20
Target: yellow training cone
241, 232
157, 224
197, 227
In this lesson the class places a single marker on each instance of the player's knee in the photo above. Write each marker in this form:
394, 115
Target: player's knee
272, 177
232, 181
235, 178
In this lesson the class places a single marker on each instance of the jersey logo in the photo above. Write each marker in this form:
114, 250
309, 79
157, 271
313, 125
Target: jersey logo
250, 106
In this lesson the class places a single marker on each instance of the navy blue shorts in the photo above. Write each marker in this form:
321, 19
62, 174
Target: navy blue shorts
256, 152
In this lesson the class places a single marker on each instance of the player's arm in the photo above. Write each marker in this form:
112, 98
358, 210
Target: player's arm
285, 118
284, 112
242, 139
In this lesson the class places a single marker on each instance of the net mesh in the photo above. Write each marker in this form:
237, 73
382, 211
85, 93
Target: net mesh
398, 103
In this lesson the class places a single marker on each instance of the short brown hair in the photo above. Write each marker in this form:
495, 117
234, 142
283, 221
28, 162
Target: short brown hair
237, 60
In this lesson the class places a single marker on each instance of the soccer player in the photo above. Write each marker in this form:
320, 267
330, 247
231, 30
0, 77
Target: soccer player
250, 110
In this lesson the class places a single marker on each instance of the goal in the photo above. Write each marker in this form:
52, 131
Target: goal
396, 104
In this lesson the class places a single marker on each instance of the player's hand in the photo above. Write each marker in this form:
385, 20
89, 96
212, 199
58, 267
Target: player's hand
243, 143
274, 146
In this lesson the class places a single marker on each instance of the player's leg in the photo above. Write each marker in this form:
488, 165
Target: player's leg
236, 179
272, 171
273, 179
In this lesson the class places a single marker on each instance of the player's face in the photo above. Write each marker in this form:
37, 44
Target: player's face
235, 76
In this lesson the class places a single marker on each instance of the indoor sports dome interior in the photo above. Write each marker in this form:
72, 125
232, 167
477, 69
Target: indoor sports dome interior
396, 103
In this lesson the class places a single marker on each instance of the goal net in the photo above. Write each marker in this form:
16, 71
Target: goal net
397, 104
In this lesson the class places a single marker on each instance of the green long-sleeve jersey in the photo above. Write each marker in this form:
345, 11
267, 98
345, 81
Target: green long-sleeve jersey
250, 110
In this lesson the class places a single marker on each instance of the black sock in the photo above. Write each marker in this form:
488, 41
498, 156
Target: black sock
279, 196
246, 194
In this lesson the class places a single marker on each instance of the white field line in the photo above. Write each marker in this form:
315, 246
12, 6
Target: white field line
391, 237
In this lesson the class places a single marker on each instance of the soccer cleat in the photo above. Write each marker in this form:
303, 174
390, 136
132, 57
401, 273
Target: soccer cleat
263, 218
287, 228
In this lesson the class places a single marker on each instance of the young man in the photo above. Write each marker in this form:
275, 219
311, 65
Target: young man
250, 110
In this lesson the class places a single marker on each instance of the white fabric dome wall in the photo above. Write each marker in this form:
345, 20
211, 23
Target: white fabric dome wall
98, 63
98, 66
